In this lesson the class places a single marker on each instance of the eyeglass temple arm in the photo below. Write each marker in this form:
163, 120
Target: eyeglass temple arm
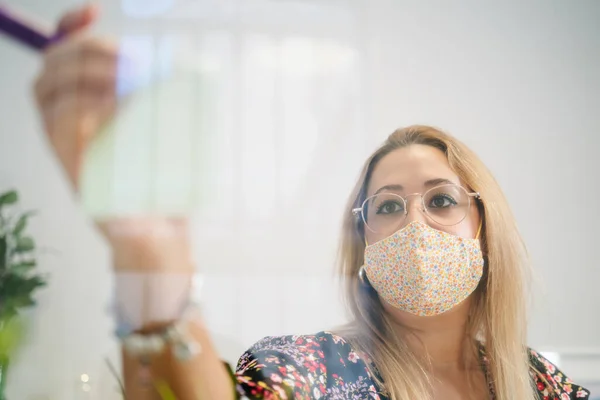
356, 211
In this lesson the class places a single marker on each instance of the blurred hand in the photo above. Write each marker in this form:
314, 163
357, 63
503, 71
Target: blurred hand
75, 90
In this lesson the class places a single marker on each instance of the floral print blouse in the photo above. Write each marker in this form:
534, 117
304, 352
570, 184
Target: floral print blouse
325, 366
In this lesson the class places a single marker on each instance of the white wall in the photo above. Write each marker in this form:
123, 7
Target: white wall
517, 81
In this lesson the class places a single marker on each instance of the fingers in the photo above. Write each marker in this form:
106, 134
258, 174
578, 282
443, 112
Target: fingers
84, 66
79, 45
84, 83
77, 20
81, 78
76, 94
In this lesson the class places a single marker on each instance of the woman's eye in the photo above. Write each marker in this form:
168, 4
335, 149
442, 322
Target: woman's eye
441, 201
390, 207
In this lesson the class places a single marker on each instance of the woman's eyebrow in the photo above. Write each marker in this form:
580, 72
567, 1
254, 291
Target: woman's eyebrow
428, 183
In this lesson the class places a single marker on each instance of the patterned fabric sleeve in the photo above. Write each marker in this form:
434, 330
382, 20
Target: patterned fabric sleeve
275, 368
551, 383
318, 366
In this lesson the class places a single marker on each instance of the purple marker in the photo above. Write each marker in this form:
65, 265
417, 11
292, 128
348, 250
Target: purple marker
24, 32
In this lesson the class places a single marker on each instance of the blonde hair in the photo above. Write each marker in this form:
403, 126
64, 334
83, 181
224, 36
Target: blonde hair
498, 314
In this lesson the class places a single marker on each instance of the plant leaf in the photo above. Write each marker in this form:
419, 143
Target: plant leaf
11, 335
23, 268
3, 247
17, 291
22, 223
24, 244
9, 198
20, 302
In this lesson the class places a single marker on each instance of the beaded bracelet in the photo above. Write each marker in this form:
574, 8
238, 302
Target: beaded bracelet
176, 336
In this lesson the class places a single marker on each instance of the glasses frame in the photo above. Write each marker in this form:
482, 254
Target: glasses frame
359, 210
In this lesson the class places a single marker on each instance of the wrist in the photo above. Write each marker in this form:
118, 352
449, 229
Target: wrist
147, 302
153, 260
177, 336
148, 243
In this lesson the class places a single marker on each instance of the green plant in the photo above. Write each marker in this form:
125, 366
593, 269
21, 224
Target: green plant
18, 278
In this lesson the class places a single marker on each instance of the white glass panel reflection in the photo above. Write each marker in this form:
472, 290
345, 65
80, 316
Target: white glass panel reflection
146, 8
258, 150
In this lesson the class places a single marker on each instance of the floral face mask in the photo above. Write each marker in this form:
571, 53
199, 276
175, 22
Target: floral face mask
424, 271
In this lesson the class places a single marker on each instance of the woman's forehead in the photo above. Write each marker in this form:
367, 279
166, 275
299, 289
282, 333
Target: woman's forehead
412, 168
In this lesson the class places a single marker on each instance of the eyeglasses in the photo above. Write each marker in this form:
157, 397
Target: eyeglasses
384, 213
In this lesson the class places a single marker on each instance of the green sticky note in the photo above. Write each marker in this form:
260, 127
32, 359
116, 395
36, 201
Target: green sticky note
154, 156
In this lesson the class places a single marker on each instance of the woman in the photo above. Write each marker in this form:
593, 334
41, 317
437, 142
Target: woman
433, 264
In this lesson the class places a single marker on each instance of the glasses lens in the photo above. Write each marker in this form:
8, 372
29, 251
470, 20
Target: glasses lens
447, 204
384, 213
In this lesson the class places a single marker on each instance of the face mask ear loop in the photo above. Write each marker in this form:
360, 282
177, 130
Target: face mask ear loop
479, 229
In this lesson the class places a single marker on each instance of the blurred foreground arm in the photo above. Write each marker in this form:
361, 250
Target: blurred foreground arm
75, 93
